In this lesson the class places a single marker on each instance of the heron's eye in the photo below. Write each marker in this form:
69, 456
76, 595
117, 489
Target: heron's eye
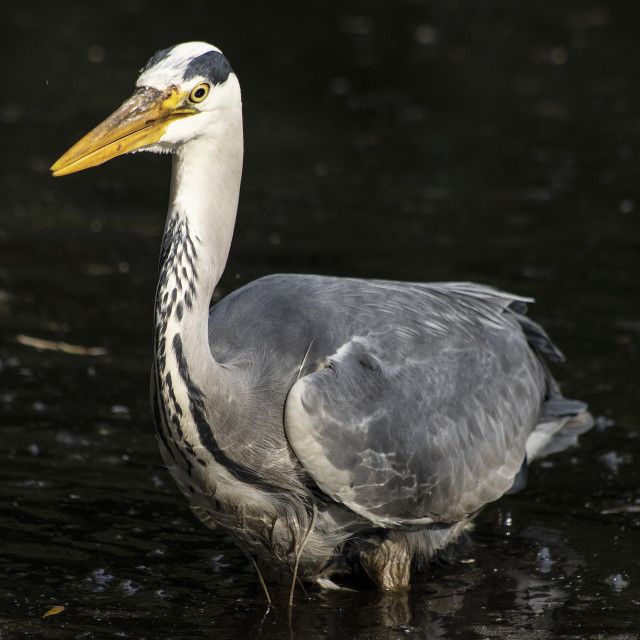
199, 93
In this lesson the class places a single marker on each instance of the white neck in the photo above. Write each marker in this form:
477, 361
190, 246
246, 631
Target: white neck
203, 202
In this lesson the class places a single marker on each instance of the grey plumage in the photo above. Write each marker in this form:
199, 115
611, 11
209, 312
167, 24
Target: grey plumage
329, 425
408, 405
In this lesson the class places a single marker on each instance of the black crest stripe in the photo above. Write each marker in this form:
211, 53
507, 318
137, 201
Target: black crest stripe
158, 57
211, 66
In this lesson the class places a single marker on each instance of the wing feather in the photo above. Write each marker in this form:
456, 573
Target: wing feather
421, 421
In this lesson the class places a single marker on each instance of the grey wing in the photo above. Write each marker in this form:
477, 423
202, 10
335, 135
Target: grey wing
405, 427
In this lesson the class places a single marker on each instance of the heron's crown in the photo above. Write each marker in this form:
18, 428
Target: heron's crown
182, 62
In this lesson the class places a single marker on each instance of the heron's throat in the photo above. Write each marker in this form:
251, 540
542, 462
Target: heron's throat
196, 242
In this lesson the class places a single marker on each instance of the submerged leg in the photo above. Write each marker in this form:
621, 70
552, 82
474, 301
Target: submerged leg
388, 565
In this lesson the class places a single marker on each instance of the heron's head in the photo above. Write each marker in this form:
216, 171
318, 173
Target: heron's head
183, 93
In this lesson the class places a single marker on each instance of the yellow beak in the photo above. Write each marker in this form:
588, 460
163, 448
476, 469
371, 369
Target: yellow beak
140, 121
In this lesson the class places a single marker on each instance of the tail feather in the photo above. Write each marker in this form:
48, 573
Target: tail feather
561, 422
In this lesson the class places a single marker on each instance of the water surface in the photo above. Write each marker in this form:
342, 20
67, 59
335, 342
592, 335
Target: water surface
417, 140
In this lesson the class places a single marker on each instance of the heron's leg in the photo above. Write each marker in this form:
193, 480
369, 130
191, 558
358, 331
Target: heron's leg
389, 564
262, 582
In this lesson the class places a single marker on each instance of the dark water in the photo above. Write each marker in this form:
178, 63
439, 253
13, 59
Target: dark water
496, 142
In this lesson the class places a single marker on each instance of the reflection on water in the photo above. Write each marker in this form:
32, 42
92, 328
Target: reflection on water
417, 140
492, 592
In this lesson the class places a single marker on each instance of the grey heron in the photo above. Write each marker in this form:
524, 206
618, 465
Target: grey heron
329, 425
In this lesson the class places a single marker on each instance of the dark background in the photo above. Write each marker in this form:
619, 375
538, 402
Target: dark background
424, 140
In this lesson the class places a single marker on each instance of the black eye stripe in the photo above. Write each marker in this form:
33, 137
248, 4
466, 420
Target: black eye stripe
212, 66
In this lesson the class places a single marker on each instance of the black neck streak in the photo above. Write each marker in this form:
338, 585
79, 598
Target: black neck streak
197, 402
178, 271
177, 290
